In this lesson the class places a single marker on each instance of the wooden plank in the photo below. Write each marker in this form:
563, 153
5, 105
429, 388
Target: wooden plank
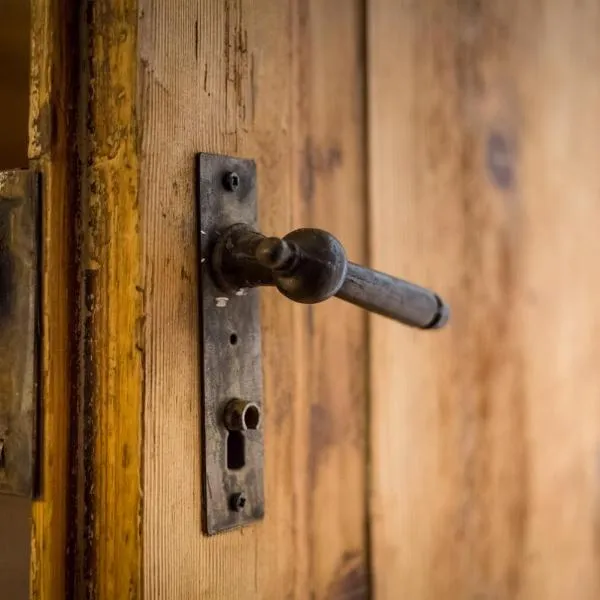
484, 185
111, 365
49, 151
278, 81
332, 195
83, 137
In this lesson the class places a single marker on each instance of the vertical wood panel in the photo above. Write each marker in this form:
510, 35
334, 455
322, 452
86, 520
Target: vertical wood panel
110, 371
15, 525
484, 185
83, 136
332, 195
50, 113
278, 81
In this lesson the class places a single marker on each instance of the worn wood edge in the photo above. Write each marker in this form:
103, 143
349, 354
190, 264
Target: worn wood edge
111, 376
86, 531
50, 88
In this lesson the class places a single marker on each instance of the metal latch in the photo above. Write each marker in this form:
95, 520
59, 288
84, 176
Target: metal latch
19, 331
307, 266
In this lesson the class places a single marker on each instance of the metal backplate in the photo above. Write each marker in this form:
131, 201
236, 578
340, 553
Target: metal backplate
19, 322
231, 352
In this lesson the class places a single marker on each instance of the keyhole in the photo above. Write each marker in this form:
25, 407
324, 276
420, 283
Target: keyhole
236, 451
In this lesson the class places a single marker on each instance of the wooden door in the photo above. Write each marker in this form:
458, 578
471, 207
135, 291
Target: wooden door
281, 82
452, 143
485, 438
125, 93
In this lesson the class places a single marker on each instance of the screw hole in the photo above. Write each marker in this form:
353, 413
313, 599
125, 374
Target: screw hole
237, 502
231, 181
233, 339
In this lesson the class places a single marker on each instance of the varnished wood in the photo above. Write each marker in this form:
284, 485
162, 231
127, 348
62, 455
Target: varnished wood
49, 152
484, 184
281, 82
112, 319
83, 137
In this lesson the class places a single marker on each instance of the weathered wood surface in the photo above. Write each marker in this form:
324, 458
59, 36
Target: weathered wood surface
86, 534
281, 82
485, 185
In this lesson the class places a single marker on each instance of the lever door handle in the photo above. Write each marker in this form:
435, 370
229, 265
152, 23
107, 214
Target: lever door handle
306, 265
310, 265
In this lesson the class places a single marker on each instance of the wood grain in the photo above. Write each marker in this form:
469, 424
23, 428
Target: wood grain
484, 185
330, 129
83, 136
49, 151
110, 376
281, 82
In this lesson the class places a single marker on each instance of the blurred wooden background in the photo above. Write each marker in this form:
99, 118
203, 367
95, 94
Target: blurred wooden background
484, 129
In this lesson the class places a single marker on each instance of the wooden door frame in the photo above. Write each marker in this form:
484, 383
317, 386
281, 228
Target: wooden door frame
86, 538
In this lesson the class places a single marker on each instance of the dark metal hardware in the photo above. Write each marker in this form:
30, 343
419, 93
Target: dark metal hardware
232, 402
240, 415
310, 265
237, 502
231, 181
20, 233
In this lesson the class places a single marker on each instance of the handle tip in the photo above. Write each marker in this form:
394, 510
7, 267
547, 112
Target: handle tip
442, 317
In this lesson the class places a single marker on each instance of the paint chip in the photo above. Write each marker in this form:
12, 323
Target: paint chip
221, 302
241, 292
203, 232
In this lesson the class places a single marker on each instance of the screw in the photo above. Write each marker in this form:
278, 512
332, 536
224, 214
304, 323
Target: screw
237, 502
231, 181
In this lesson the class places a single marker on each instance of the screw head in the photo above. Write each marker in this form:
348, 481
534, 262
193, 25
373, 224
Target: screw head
237, 501
231, 181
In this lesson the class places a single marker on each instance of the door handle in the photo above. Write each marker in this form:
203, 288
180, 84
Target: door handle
235, 261
310, 266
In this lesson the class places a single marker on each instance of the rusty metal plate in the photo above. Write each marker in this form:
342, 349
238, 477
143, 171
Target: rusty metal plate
231, 355
19, 331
